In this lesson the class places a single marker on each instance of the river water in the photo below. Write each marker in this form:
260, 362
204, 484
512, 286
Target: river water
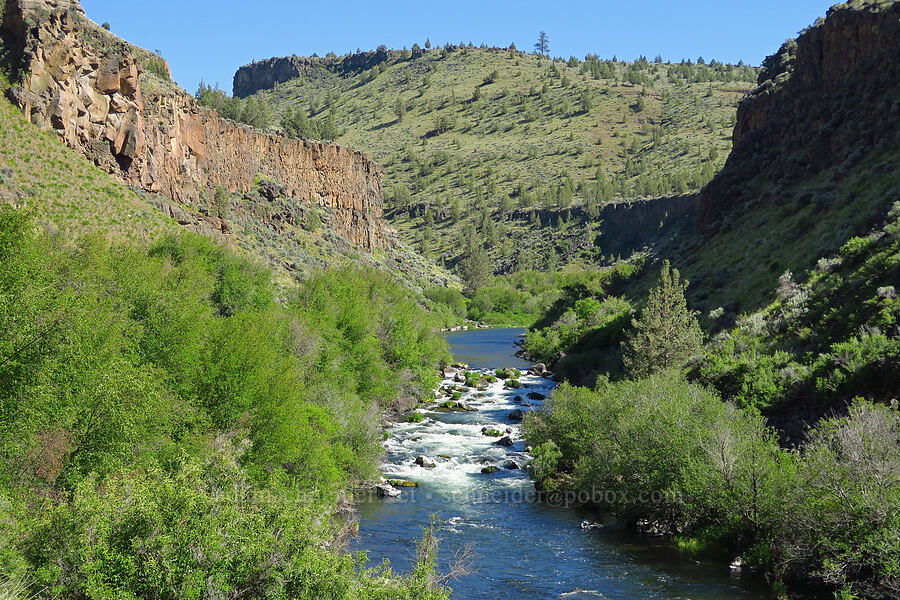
525, 549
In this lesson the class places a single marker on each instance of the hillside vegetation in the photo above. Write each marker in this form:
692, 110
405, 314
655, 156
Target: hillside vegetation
69, 194
772, 433
171, 430
474, 140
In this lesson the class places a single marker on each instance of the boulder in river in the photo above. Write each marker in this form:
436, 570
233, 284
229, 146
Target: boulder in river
489, 469
538, 369
518, 399
425, 462
511, 465
450, 372
504, 441
590, 525
490, 431
460, 377
386, 490
516, 415
536, 395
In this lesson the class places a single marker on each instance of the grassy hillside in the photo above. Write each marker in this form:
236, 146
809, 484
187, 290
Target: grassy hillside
66, 192
70, 195
470, 135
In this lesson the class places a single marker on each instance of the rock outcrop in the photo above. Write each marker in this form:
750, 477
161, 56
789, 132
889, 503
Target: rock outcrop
114, 103
264, 74
816, 106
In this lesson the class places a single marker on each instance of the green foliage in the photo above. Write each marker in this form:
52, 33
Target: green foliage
253, 111
167, 427
829, 339
222, 201
475, 268
666, 333
155, 64
476, 126
585, 323
672, 452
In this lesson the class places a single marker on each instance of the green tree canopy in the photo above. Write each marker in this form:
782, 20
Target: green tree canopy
666, 333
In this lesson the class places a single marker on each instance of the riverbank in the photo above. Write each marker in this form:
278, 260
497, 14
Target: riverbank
525, 547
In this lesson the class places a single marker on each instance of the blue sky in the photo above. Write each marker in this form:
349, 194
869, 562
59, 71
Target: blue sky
210, 39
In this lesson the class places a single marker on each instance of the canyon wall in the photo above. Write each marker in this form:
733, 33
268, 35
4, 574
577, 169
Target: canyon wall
264, 74
115, 103
816, 107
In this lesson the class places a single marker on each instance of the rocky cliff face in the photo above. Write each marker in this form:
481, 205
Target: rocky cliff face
824, 102
264, 74
99, 94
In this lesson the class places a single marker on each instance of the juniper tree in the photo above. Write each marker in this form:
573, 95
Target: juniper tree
666, 333
543, 43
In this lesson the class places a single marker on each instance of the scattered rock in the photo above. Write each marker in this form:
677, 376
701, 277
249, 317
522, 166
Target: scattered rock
511, 465
490, 431
536, 396
516, 415
538, 369
385, 490
590, 525
425, 462
504, 441
449, 372
489, 469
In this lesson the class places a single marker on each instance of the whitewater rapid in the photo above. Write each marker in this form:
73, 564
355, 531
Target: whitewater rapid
455, 442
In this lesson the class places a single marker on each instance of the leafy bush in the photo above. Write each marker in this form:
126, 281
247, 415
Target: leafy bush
167, 427
672, 452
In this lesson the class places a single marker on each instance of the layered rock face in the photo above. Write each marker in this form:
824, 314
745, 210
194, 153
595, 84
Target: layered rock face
826, 97
91, 88
264, 74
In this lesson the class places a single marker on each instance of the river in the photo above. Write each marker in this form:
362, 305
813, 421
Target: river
525, 549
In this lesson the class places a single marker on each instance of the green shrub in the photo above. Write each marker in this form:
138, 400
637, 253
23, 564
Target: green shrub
168, 429
672, 452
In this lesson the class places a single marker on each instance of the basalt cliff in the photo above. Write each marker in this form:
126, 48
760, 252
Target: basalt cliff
824, 103
265, 74
116, 104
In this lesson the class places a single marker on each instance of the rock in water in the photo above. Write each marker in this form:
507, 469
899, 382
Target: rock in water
516, 415
536, 396
504, 441
489, 469
384, 490
538, 369
591, 526
511, 465
424, 461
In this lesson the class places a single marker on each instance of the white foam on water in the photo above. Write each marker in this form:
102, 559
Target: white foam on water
456, 444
